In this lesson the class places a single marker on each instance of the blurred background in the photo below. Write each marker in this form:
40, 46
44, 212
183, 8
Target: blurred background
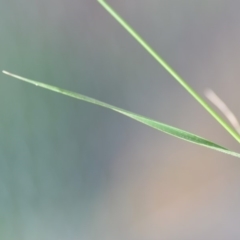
70, 170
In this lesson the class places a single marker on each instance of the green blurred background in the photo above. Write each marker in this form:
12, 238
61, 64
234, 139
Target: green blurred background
70, 170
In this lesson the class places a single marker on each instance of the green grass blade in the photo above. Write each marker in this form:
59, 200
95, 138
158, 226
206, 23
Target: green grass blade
156, 56
151, 123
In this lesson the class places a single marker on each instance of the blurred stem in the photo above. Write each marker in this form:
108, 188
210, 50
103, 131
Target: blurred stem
180, 80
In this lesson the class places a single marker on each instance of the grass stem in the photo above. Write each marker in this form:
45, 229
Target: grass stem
179, 79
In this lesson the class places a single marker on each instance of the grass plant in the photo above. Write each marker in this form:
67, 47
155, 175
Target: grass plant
147, 121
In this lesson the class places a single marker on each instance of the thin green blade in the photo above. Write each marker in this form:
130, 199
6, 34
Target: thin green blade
147, 121
167, 67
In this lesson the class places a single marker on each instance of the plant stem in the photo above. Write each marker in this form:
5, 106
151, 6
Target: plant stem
156, 56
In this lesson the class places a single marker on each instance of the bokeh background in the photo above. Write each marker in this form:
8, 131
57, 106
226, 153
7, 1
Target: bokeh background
70, 170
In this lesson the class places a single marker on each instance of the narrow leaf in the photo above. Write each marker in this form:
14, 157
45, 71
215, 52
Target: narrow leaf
147, 121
